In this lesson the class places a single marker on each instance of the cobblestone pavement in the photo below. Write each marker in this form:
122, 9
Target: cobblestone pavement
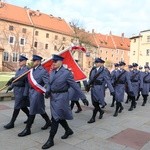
128, 131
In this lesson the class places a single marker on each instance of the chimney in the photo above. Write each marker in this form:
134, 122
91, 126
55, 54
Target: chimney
38, 12
122, 35
110, 33
93, 31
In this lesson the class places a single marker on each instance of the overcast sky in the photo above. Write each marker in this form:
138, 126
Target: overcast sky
118, 16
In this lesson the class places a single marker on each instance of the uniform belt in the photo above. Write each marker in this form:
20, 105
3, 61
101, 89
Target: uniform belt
63, 91
134, 81
19, 85
98, 83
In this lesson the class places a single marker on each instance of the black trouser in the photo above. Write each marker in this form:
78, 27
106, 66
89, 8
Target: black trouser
96, 109
25, 110
75, 102
55, 124
133, 103
145, 98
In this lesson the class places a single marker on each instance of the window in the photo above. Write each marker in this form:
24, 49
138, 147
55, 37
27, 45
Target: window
63, 48
5, 56
22, 41
46, 46
24, 30
11, 39
35, 44
112, 55
134, 40
64, 39
148, 52
55, 47
36, 33
106, 58
11, 28
148, 38
133, 52
47, 35
56, 37
15, 57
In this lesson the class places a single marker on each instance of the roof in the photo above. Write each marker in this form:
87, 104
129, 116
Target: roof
37, 19
14, 13
112, 41
52, 23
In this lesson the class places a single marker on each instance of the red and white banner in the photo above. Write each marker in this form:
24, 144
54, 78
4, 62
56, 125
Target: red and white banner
68, 62
34, 84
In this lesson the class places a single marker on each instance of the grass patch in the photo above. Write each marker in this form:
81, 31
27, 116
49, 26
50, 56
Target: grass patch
4, 77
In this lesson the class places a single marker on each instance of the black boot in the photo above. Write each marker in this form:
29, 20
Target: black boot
48, 122
121, 108
133, 104
14, 116
101, 114
138, 96
72, 104
68, 131
113, 102
92, 120
117, 108
49, 143
144, 100
26, 111
79, 107
27, 130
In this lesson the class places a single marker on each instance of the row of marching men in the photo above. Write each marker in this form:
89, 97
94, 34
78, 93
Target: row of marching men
61, 87
119, 82
28, 92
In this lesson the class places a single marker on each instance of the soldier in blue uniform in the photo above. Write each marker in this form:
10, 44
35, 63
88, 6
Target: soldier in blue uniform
116, 65
20, 92
60, 80
121, 78
97, 80
140, 69
74, 97
145, 84
37, 103
130, 67
135, 82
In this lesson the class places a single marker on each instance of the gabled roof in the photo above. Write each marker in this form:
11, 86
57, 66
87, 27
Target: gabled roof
14, 13
52, 23
37, 19
112, 41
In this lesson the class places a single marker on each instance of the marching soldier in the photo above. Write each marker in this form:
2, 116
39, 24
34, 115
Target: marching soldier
60, 80
140, 69
135, 82
112, 78
97, 81
145, 86
20, 92
39, 78
130, 67
74, 97
121, 78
